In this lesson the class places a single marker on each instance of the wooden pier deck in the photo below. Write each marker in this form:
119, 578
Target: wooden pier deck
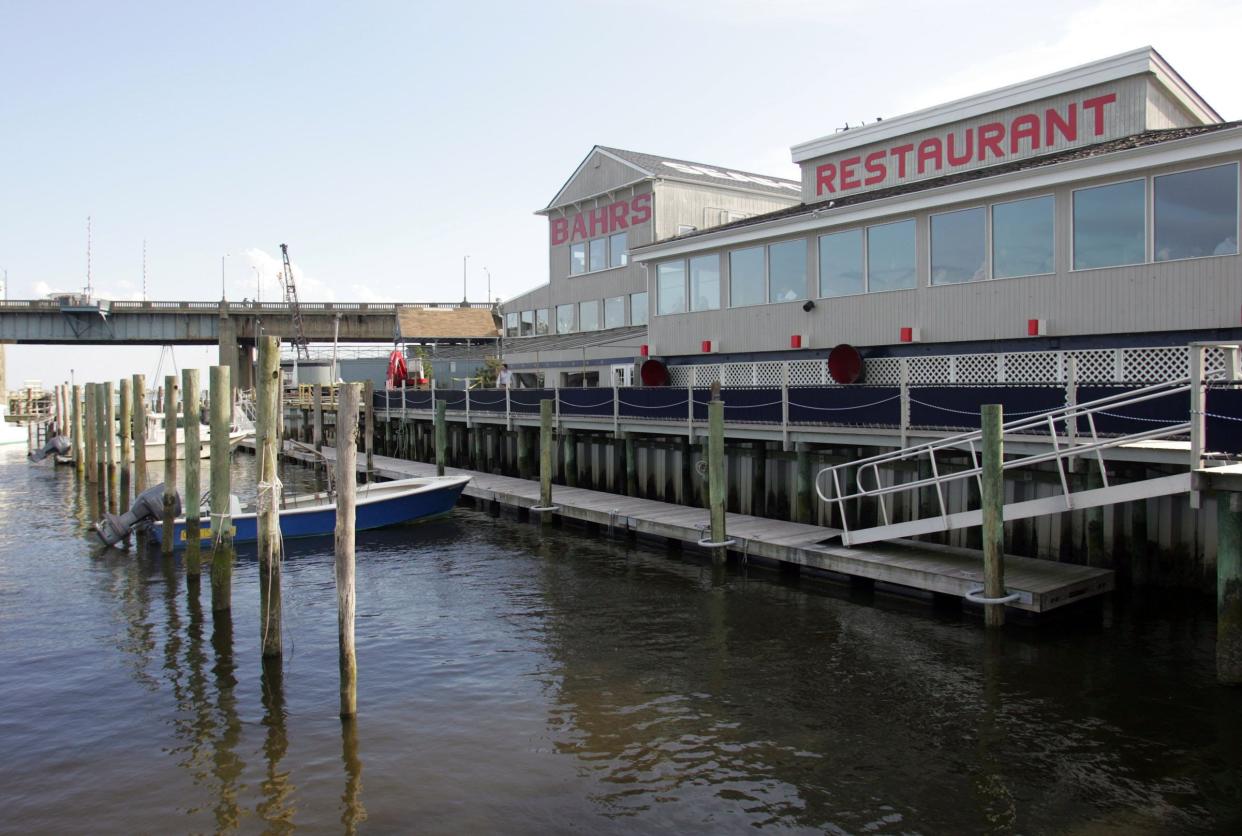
1042, 585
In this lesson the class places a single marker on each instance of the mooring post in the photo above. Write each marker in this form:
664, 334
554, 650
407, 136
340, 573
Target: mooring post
522, 440
101, 436
992, 499
717, 483
75, 420
91, 447
571, 459
803, 484
193, 471
221, 520
546, 441
317, 407
631, 465
267, 437
139, 431
127, 425
114, 488
170, 463
1229, 588
441, 435
369, 411
346, 482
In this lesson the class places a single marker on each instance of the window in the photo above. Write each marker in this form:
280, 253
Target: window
577, 258
638, 308
705, 283
958, 250
890, 256
1108, 225
841, 263
588, 315
787, 271
599, 254
564, 319
1022, 237
682, 229
528, 323
1197, 213
671, 287
541, 321
614, 312
511, 324
746, 277
618, 250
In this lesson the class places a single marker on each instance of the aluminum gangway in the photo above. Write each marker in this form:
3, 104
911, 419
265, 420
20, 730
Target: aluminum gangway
1071, 441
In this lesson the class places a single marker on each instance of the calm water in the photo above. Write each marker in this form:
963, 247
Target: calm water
512, 681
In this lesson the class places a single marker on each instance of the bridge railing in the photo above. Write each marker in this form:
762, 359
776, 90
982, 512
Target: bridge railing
19, 305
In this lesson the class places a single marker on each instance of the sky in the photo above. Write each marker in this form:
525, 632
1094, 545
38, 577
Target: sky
386, 141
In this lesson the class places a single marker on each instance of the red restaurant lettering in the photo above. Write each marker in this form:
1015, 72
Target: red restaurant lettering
1026, 132
603, 220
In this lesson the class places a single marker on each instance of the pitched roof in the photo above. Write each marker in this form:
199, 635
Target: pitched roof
447, 324
651, 166
1125, 143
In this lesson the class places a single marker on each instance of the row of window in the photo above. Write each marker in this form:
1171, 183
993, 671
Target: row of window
579, 316
599, 254
1195, 214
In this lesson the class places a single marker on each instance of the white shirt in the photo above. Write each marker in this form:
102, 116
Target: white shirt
505, 378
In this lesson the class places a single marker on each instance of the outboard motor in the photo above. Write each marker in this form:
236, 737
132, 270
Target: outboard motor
56, 445
148, 506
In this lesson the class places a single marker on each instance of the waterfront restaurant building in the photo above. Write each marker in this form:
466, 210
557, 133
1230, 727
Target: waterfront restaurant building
586, 325
1093, 208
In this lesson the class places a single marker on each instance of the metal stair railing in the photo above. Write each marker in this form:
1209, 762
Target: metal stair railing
1065, 447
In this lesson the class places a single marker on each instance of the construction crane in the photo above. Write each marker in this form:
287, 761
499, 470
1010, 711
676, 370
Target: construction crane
300, 346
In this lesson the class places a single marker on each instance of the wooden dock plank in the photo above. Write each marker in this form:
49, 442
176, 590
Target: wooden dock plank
1043, 585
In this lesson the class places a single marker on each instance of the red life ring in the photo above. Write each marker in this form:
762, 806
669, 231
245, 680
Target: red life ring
396, 369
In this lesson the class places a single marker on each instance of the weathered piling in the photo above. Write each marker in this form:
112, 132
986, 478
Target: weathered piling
193, 473
1229, 588
110, 435
992, 499
221, 527
631, 465
267, 437
522, 441
547, 441
369, 409
317, 411
101, 436
571, 458
75, 422
803, 484
170, 464
346, 482
126, 425
441, 435
91, 447
139, 431
717, 479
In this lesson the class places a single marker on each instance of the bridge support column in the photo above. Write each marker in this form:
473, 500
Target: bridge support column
1229, 588
229, 348
245, 367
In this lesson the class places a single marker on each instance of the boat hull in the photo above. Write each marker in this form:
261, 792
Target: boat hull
427, 498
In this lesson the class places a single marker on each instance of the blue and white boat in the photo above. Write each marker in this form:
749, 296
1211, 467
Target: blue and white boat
379, 504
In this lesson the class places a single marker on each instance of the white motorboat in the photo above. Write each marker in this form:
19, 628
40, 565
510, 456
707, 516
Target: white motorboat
11, 433
156, 438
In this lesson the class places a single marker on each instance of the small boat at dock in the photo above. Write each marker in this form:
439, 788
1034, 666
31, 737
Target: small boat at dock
379, 505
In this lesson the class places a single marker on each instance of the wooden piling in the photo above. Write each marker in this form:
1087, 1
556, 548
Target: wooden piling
126, 425
221, 524
110, 445
101, 437
631, 465
716, 478
992, 499
522, 440
441, 435
267, 437
571, 458
75, 423
346, 482
91, 446
804, 483
317, 410
546, 440
139, 431
193, 473
170, 464
369, 409
1229, 588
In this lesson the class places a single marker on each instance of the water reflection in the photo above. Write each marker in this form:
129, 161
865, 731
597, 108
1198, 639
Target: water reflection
227, 765
353, 812
276, 807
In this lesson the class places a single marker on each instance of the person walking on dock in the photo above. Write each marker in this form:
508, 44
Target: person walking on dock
504, 380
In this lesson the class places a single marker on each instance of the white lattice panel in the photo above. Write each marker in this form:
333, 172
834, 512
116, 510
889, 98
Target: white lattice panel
679, 375
1033, 367
1214, 362
768, 374
1155, 365
1095, 366
737, 374
976, 368
706, 375
929, 371
883, 371
808, 372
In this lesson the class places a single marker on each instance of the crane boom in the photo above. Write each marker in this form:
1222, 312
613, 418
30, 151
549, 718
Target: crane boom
295, 311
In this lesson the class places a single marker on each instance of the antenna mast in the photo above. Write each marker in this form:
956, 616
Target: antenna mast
295, 311
144, 269
88, 255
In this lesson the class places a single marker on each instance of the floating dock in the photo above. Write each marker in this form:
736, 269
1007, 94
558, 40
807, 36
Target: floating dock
1041, 585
